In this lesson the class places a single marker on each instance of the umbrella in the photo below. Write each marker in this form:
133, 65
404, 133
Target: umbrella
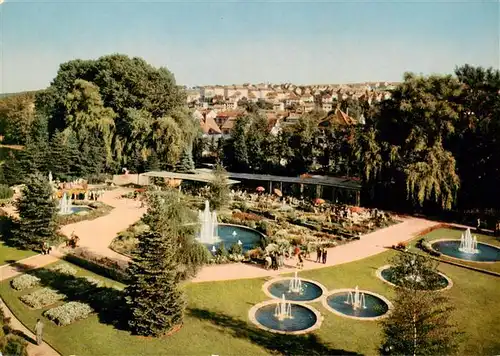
260, 189
318, 201
278, 192
271, 247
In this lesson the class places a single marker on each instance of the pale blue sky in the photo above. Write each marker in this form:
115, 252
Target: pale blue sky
209, 42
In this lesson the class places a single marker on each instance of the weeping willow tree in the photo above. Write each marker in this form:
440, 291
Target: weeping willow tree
406, 145
87, 116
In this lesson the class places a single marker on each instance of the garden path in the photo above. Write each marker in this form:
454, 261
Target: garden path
369, 245
33, 349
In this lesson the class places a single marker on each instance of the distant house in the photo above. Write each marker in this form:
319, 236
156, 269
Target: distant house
338, 117
207, 122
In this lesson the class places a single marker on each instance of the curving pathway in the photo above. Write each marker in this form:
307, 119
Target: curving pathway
369, 245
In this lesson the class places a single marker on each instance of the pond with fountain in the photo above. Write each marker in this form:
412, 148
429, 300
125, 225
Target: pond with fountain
66, 206
212, 233
285, 317
357, 304
434, 281
467, 248
294, 289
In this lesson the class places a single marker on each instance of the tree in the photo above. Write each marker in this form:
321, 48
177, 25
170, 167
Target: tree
419, 324
415, 271
239, 144
185, 164
37, 214
132, 104
154, 297
219, 189
16, 117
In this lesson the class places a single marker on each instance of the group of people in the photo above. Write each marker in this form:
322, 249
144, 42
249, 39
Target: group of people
46, 248
321, 255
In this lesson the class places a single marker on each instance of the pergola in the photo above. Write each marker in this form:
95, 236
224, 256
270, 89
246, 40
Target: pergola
331, 188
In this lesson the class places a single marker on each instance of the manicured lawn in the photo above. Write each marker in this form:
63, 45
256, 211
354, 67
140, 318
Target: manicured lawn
11, 254
455, 234
217, 318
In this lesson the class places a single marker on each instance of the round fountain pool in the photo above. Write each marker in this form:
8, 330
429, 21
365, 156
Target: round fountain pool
441, 281
75, 209
231, 234
309, 290
486, 252
303, 318
373, 306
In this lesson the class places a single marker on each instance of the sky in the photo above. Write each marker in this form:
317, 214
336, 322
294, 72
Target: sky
234, 42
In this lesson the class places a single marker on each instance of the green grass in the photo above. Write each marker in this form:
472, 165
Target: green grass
217, 318
455, 234
10, 254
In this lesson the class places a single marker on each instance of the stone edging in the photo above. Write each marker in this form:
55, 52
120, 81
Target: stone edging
253, 319
335, 291
265, 288
378, 273
461, 259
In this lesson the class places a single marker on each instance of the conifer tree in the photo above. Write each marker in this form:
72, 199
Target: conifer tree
60, 160
37, 214
185, 164
152, 163
155, 300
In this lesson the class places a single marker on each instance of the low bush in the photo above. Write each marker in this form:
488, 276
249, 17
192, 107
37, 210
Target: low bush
247, 217
25, 281
5, 192
104, 266
235, 249
41, 298
94, 281
68, 313
64, 268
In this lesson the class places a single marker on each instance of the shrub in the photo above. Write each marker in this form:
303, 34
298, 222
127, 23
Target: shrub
264, 241
15, 345
41, 298
221, 250
235, 249
64, 268
246, 216
25, 281
94, 281
5, 192
68, 313
263, 227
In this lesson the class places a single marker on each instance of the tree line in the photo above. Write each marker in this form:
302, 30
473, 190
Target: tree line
433, 145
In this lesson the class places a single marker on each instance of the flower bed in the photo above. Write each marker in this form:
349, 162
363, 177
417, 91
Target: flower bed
25, 281
68, 313
64, 268
41, 298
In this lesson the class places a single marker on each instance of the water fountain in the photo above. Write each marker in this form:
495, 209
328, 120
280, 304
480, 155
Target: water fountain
234, 233
295, 285
356, 299
283, 309
468, 244
208, 220
413, 275
65, 205
50, 178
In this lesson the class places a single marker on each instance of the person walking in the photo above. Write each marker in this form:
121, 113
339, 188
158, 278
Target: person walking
39, 332
318, 254
325, 253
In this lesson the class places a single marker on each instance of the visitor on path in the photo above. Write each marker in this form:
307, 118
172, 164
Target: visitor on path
325, 253
478, 227
274, 261
300, 264
296, 251
39, 332
45, 248
318, 254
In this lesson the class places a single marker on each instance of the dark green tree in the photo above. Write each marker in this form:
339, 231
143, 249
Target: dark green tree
60, 156
415, 271
185, 164
37, 214
152, 163
154, 296
239, 145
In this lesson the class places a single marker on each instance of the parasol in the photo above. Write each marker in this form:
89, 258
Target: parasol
278, 192
260, 189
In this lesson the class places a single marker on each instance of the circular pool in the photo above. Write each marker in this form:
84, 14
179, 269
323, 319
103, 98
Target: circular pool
437, 280
307, 291
450, 248
303, 318
372, 306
